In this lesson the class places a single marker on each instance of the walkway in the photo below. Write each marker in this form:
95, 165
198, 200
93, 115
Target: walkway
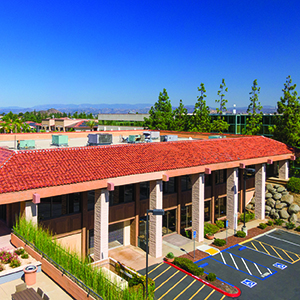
44, 282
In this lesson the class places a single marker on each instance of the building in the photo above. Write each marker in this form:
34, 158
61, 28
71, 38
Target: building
95, 198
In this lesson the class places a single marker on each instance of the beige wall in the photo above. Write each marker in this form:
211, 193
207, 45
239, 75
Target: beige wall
72, 242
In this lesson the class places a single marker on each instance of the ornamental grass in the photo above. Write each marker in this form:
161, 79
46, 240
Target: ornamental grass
70, 261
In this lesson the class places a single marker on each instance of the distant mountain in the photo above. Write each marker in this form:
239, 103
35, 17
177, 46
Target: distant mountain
112, 108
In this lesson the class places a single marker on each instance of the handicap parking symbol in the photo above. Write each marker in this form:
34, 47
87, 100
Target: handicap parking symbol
249, 283
279, 266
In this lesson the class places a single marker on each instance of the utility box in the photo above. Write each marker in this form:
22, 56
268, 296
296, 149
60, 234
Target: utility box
155, 135
60, 140
100, 139
169, 138
26, 144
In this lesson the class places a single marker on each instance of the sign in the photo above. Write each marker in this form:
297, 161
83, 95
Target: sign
226, 225
194, 234
249, 283
279, 266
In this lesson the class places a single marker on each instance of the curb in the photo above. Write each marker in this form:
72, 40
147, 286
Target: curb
207, 283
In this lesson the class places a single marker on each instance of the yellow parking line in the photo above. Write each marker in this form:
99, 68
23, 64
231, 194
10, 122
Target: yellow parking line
254, 246
296, 260
222, 297
155, 268
210, 294
166, 281
185, 289
288, 255
244, 242
276, 252
162, 273
198, 291
264, 248
172, 287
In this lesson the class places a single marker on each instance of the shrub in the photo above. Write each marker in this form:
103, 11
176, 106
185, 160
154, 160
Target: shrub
1, 267
270, 223
262, 225
297, 228
188, 234
24, 255
220, 224
210, 229
211, 277
293, 185
219, 242
170, 255
252, 215
15, 263
188, 265
19, 251
249, 216
290, 225
278, 222
240, 234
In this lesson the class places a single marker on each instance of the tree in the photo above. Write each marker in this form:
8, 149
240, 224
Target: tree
201, 119
287, 122
254, 121
180, 118
91, 124
220, 124
161, 114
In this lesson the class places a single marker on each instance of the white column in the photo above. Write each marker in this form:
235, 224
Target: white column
155, 222
232, 198
284, 169
198, 206
126, 233
101, 224
31, 212
260, 191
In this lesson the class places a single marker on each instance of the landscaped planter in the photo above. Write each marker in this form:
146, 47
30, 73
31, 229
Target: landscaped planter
59, 277
16, 273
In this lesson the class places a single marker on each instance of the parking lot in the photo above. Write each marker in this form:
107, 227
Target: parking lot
171, 283
265, 268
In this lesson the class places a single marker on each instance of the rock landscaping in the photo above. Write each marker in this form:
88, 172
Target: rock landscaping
279, 204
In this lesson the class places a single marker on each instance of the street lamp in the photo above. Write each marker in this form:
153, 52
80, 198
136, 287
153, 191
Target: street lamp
155, 212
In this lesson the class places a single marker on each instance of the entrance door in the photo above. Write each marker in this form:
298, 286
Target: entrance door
115, 235
169, 222
3, 212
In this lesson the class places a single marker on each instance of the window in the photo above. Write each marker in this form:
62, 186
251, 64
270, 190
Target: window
220, 176
169, 187
207, 205
220, 207
186, 183
91, 200
121, 194
207, 180
186, 217
54, 207
144, 190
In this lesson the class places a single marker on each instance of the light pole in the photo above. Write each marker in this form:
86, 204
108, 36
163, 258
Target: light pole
244, 228
155, 212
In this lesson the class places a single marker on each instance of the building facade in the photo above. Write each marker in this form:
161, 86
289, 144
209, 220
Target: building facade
95, 198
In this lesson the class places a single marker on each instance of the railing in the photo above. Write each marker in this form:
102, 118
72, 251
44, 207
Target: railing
59, 267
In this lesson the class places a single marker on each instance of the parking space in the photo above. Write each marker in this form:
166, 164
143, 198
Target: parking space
264, 268
171, 283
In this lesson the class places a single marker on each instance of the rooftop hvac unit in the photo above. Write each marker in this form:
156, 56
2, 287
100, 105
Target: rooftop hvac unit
27, 144
60, 140
168, 138
216, 137
99, 139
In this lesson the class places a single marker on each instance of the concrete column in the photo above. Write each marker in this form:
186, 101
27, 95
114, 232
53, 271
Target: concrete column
84, 222
284, 169
101, 224
31, 212
260, 190
178, 211
213, 197
155, 222
126, 233
198, 206
232, 198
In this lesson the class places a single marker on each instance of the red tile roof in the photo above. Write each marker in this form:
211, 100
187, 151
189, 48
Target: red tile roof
52, 167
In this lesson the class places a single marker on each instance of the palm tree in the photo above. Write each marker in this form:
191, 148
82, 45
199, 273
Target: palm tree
91, 124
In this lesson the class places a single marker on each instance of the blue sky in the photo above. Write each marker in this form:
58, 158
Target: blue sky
128, 51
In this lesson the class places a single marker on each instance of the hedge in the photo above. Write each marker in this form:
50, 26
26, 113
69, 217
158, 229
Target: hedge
188, 265
293, 185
